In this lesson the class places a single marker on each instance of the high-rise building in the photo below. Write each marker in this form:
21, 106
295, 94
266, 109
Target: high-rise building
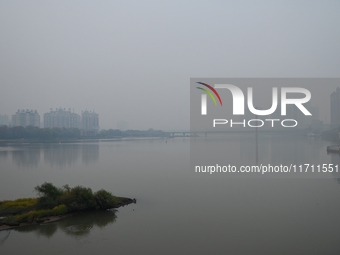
26, 118
61, 118
90, 121
335, 108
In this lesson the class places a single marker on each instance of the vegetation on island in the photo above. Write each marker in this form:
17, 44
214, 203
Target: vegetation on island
54, 201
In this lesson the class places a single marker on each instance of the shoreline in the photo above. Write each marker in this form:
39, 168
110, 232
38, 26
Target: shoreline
125, 138
43, 220
49, 219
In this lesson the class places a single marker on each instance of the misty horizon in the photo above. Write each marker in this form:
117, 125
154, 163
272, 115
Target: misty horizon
225, 119
133, 62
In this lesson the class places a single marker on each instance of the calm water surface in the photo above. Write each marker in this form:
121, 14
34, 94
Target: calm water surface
177, 212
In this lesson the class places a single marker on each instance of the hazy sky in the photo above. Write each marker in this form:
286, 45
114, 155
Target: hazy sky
133, 60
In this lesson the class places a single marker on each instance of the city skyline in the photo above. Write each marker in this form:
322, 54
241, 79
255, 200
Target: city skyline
121, 124
132, 69
88, 121
320, 93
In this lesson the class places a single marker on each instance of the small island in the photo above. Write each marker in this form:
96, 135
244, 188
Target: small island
54, 203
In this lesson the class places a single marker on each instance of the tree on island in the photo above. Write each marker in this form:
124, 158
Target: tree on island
76, 199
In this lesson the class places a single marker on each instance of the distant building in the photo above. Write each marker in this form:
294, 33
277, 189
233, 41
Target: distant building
335, 108
26, 118
90, 121
315, 112
4, 120
61, 118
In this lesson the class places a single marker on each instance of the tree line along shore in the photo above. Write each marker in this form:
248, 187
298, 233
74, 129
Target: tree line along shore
35, 133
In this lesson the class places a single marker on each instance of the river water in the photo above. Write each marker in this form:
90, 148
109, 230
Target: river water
177, 211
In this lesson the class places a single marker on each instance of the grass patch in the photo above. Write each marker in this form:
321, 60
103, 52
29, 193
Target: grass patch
17, 206
32, 216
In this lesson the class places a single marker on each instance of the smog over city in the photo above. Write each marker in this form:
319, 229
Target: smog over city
138, 127
133, 61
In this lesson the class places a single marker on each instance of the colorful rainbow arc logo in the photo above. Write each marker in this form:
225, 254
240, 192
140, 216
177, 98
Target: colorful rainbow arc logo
209, 93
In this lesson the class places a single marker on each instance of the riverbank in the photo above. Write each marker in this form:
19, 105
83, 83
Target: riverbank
49, 219
43, 220
78, 140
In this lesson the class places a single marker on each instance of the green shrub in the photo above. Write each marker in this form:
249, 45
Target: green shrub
43, 213
60, 209
49, 195
104, 200
30, 217
46, 203
78, 199
48, 190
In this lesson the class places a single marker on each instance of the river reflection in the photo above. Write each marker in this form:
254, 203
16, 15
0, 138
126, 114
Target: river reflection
181, 212
26, 157
4, 235
90, 153
61, 155
280, 149
78, 225
3, 154
55, 155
